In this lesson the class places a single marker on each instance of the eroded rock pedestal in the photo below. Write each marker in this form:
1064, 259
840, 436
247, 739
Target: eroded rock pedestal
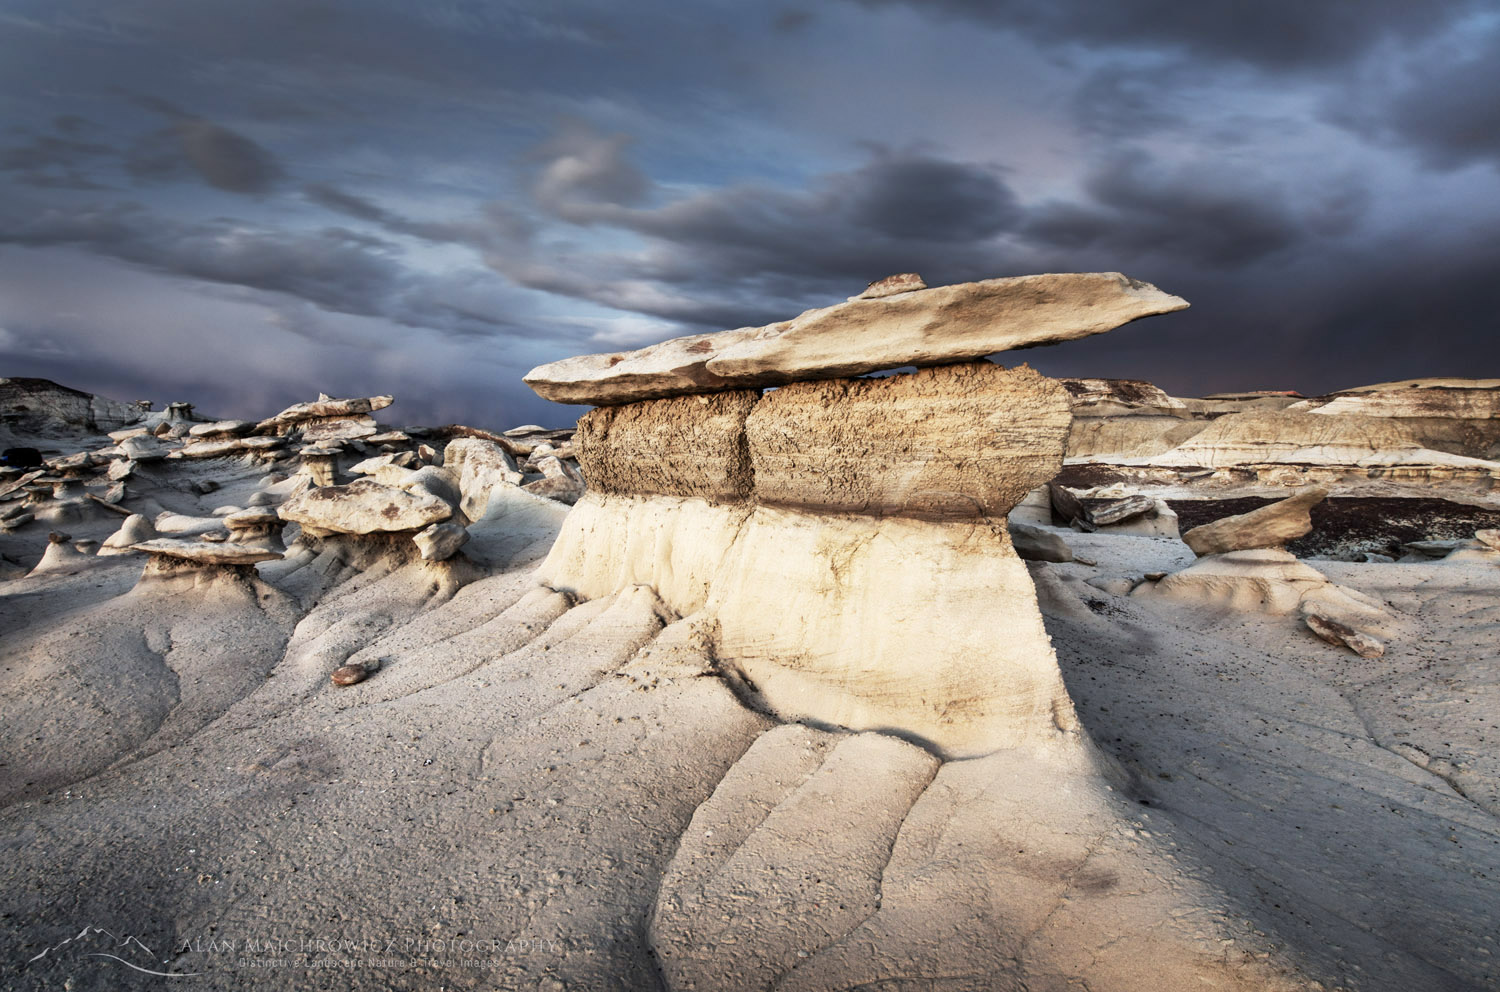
841, 543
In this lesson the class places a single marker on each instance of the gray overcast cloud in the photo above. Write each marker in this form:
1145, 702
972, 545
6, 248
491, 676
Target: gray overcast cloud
242, 204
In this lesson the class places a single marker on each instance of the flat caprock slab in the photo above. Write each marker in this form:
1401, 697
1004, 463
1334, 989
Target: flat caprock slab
922, 327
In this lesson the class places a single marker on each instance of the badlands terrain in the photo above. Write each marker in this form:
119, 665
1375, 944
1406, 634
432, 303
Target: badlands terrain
771, 674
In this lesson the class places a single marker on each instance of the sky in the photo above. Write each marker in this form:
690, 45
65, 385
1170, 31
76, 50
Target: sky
243, 204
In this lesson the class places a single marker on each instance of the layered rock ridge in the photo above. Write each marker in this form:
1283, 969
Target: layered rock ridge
841, 542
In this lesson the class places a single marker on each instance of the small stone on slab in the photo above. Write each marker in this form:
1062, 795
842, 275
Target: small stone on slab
906, 282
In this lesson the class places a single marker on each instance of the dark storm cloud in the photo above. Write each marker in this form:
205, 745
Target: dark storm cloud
54, 161
346, 203
753, 252
930, 199
1275, 34
225, 159
1206, 215
333, 268
1288, 288
792, 21
727, 164
582, 168
74, 156
494, 223
191, 145
1413, 302
1446, 108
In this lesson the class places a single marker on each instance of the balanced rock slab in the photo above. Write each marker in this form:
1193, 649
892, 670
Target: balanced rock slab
923, 327
680, 446
955, 441
220, 428
206, 552
1269, 526
222, 449
365, 507
338, 428
324, 406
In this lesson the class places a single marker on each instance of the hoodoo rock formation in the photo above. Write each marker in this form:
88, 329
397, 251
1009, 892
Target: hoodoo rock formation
840, 542
322, 672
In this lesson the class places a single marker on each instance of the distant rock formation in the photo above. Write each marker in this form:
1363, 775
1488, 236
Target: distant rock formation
841, 542
1421, 430
33, 406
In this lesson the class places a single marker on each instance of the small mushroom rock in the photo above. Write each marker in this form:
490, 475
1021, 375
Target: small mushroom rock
60, 554
136, 529
259, 527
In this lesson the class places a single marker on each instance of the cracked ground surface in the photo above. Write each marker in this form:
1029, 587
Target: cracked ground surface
534, 792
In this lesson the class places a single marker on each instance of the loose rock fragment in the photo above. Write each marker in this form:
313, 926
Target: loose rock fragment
1342, 635
1036, 544
1121, 510
1069, 508
349, 674
1268, 527
144, 448
564, 490
441, 541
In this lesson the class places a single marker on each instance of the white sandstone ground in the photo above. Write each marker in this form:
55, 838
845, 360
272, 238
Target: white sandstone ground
577, 785
533, 792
